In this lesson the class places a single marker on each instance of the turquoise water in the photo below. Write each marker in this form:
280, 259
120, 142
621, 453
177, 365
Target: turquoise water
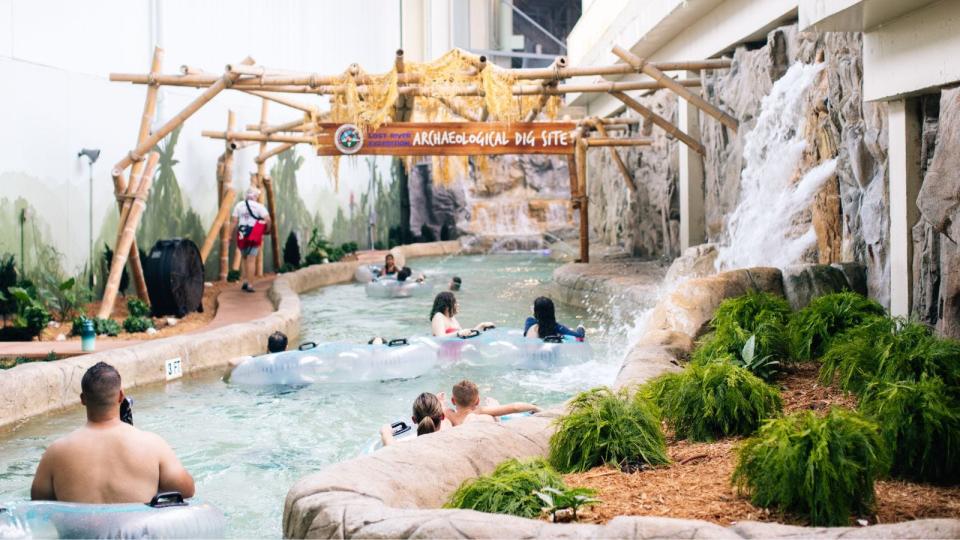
246, 447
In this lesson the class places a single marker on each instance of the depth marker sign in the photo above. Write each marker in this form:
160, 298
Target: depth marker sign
448, 139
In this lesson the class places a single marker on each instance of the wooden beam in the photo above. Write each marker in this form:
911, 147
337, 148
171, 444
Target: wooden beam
285, 101
279, 149
627, 177
652, 71
258, 137
129, 231
275, 225
226, 186
614, 141
583, 200
293, 125
667, 126
216, 227
262, 173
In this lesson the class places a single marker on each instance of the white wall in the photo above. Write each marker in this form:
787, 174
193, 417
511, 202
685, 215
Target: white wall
55, 57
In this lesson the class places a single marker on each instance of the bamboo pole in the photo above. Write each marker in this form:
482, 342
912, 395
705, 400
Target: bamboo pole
275, 225
652, 71
146, 118
129, 228
458, 109
667, 126
279, 149
581, 159
627, 177
258, 137
262, 171
614, 141
217, 226
284, 101
315, 80
226, 185
293, 125
461, 90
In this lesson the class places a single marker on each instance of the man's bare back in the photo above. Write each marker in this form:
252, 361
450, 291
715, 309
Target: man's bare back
112, 462
108, 461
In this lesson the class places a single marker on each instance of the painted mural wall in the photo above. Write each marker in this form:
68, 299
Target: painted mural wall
55, 98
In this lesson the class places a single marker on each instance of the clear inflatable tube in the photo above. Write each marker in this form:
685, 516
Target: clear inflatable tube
336, 363
44, 519
406, 359
366, 273
404, 428
391, 288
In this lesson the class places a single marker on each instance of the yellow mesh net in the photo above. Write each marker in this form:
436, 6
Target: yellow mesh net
454, 87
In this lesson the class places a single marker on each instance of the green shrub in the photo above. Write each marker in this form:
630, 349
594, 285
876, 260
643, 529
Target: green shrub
134, 325
891, 350
8, 278
607, 427
284, 268
65, 297
759, 315
557, 500
819, 467
315, 257
713, 400
31, 316
349, 247
138, 308
510, 489
811, 329
109, 327
233, 276
920, 421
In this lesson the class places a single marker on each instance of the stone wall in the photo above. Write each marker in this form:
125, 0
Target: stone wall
849, 214
936, 237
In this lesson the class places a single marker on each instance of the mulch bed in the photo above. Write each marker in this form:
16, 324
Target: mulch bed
696, 485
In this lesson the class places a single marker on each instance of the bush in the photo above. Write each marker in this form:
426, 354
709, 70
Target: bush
66, 297
510, 489
920, 421
606, 427
811, 329
820, 467
291, 251
572, 499
284, 268
891, 350
8, 278
349, 247
109, 327
759, 315
714, 400
315, 257
134, 324
138, 308
31, 316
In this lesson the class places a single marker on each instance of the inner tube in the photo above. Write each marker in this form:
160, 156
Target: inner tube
404, 428
366, 273
167, 516
391, 288
336, 363
501, 347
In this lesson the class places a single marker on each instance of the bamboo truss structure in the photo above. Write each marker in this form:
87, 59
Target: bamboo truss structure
412, 81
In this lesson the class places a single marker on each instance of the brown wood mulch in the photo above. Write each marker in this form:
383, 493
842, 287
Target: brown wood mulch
696, 485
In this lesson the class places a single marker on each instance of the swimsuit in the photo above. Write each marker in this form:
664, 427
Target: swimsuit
561, 329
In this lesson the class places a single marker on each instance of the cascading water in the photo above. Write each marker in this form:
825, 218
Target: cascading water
765, 229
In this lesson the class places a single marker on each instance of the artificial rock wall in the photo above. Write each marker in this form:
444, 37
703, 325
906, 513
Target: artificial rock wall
850, 212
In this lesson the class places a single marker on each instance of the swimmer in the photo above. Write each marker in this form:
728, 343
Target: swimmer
544, 322
455, 284
466, 399
443, 317
428, 415
389, 266
108, 461
277, 342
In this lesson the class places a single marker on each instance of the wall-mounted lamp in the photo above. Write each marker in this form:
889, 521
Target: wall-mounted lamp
92, 154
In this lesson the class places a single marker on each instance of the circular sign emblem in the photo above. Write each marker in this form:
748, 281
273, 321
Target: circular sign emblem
348, 139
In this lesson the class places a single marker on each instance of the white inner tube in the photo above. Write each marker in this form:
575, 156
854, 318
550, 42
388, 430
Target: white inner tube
44, 519
391, 288
366, 273
351, 363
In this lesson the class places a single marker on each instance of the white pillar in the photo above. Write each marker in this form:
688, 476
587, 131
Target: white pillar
692, 219
904, 162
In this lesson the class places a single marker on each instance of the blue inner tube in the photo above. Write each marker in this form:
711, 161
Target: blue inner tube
406, 359
163, 519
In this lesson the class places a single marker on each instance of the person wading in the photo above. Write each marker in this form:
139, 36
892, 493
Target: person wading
250, 222
108, 461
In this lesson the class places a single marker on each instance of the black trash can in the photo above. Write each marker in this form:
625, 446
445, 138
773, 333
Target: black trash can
174, 274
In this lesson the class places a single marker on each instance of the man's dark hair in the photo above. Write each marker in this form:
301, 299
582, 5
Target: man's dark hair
277, 342
100, 385
455, 286
404, 273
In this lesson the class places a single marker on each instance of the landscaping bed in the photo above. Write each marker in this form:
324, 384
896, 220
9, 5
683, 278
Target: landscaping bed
697, 483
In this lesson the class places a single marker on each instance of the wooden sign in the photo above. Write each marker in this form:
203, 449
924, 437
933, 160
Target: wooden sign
447, 139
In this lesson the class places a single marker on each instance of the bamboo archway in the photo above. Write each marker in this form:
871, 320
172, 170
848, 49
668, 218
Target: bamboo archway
459, 85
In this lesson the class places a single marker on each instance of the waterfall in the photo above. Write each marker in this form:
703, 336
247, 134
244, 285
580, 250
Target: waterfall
767, 226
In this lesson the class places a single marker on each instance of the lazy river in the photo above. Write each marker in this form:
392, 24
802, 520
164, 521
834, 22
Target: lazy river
246, 446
